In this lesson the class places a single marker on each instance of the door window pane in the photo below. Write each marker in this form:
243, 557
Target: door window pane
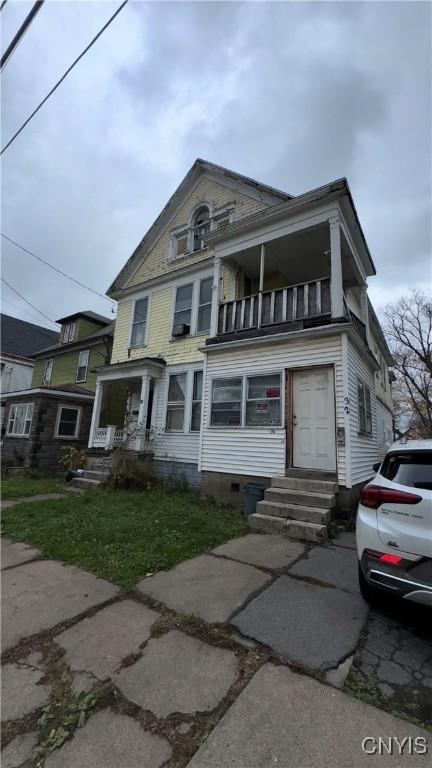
226, 402
139, 323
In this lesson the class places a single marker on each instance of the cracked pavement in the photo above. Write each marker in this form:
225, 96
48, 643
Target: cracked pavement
174, 670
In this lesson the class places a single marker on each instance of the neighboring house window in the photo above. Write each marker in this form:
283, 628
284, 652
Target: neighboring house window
183, 307
139, 323
82, 366
364, 408
226, 402
204, 304
263, 401
201, 227
46, 381
176, 402
68, 422
196, 401
20, 419
69, 332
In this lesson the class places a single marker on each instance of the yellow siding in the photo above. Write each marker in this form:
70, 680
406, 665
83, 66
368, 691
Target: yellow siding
184, 350
156, 262
227, 285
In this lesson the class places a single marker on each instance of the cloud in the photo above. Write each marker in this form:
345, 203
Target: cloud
293, 94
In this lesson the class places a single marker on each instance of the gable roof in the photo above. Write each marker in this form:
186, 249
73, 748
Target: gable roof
23, 339
89, 314
199, 168
106, 332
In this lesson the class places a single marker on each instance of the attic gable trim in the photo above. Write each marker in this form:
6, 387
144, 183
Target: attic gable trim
200, 169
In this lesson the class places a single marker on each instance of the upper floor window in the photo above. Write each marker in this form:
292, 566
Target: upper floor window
364, 408
46, 379
204, 304
139, 323
201, 227
183, 310
69, 330
83, 359
192, 307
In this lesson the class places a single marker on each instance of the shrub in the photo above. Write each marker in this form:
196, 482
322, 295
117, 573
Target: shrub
73, 458
128, 472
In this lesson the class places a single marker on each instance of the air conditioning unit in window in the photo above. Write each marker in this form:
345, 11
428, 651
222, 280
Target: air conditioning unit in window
181, 330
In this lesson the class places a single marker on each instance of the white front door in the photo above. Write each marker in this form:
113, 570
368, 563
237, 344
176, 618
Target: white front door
314, 419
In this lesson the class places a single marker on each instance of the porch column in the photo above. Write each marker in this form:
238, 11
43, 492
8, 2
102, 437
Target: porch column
145, 391
97, 405
364, 309
261, 284
336, 286
215, 296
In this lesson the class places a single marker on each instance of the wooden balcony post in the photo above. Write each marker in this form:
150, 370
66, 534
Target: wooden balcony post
215, 297
261, 285
336, 286
97, 406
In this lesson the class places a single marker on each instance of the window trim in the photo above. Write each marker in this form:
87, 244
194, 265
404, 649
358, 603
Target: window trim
192, 320
185, 401
46, 382
187, 230
207, 304
195, 281
244, 377
77, 408
81, 352
254, 399
136, 299
23, 434
71, 325
192, 401
364, 386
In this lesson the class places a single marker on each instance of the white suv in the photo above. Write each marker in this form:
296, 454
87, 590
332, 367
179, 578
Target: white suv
394, 525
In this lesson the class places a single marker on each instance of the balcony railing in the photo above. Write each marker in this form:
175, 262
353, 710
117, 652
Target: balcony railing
282, 305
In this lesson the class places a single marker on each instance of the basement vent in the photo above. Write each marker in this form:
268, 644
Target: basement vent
235, 487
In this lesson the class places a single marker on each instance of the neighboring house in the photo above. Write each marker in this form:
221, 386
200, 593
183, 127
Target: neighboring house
55, 408
19, 342
245, 339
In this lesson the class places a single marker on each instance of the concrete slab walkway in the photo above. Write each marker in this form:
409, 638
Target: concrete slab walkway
171, 684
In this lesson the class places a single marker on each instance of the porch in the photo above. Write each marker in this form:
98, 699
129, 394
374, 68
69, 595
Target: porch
298, 280
125, 391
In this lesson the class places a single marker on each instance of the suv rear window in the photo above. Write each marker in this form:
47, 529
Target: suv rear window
412, 469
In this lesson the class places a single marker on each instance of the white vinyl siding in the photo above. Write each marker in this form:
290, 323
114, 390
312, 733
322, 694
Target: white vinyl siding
259, 450
15, 376
364, 451
175, 446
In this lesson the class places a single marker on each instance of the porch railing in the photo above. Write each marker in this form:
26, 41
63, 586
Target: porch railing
282, 305
110, 437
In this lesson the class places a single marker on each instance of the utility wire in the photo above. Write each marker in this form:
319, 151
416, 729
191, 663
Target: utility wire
92, 42
56, 269
21, 32
26, 312
27, 302
3, 5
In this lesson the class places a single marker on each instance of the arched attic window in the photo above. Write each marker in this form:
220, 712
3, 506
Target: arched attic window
201, 226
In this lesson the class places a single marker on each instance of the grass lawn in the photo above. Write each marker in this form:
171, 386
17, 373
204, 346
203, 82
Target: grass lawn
121, 535
24, 485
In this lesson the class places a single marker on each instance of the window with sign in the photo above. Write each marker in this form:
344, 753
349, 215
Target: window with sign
263, 401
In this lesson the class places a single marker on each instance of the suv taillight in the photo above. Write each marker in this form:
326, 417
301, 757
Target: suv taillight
372, 496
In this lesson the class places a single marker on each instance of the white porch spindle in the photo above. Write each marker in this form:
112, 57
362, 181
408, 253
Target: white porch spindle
336, 285
97, 406
215, 297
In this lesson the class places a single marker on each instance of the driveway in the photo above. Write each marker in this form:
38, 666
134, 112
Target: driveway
234, 658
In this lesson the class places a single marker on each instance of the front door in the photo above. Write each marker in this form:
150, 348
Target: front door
313, 416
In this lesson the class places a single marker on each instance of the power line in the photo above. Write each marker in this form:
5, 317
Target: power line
21, 32
56, 269
26, 312
27, 302
3, 5
92, 42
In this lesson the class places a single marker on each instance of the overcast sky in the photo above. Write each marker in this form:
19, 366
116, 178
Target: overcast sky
292, 94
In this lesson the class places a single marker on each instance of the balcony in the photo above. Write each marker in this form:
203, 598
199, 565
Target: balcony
292, 304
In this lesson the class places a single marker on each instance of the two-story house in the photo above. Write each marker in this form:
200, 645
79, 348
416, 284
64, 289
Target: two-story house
247, 341
54, 409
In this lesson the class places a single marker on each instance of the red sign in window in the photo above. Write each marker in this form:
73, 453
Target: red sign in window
273, 392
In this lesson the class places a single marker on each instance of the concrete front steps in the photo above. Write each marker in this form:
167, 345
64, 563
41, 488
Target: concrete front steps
98, 470
297, 505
